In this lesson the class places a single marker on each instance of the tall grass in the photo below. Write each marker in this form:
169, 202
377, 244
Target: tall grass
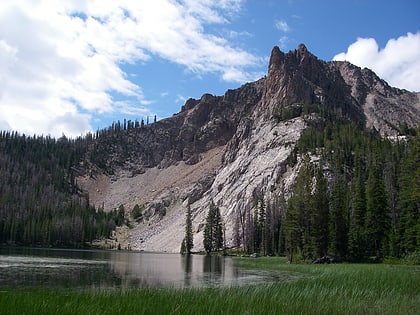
315, 289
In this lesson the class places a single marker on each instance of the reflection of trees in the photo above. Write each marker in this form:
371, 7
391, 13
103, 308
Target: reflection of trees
212, 264
102, 269
187, 262
213, 270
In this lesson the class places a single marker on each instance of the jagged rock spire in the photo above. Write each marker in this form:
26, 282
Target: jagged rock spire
302, 48
276, 59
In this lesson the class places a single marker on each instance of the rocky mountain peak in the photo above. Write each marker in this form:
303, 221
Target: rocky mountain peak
295, 77
302, 48
302, 52
290, 60
229, 148
299, 77
276, 59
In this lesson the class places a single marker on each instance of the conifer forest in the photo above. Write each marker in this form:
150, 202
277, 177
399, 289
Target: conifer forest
356, 196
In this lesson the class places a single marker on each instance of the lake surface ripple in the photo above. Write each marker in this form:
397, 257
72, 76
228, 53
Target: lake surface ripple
52, 268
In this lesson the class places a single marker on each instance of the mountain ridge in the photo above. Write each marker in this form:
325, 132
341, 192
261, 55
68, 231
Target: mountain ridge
254, 146
259, 153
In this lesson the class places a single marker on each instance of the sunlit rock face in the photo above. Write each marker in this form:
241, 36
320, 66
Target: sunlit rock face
232, 149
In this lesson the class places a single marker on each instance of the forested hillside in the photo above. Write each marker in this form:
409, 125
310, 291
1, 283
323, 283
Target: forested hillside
315, 159
356, 197
40, 202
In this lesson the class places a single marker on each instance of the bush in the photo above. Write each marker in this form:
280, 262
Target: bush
413, 258
289, 112
137, 213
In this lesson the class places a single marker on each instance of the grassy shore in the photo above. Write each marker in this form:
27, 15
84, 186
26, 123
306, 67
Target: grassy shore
316, 289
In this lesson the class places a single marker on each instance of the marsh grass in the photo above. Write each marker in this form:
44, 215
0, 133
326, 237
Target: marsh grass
314, 289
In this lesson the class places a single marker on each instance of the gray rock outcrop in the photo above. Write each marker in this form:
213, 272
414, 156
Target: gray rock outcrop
233, 147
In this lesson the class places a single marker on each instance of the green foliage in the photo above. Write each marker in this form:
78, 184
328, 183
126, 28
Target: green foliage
319, 216
308, 215
289, 112
408, 229
313, 289
213, 230
297, 223
188, 242
413, 258
260, 231
137, 213
40, 201
373, 194
377, 212
357, 245
338, 224
297, 110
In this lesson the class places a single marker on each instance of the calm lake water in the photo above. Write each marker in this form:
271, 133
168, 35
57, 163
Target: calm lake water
31, 267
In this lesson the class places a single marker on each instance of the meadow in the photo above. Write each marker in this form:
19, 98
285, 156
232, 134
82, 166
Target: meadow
314, 289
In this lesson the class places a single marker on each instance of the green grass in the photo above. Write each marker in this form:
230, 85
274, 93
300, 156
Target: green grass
315, 289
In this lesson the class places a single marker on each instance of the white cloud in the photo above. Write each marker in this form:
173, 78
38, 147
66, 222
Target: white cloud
282, 25
398, 62
180, 99
283, 41
61, 61
237, 75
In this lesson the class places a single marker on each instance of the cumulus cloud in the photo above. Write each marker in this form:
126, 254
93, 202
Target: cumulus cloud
61, 61
282, 25
283, 41
398, 62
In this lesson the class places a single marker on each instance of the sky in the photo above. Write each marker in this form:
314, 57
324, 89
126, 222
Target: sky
68, 67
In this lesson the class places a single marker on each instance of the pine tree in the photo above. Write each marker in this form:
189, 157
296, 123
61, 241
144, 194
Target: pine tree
377, 214
297, 229
279, 206
409, 198
188, 240
319, 216
218, 233
213, 230
357, 237
260, 242
338, 225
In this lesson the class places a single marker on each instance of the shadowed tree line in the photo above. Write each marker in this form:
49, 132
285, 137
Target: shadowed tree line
40, 202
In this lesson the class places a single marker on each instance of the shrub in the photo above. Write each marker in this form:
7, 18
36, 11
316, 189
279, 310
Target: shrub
137, 213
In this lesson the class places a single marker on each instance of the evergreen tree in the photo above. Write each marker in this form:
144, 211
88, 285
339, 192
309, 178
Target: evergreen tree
297, 222
260, 242
280, 205
357, 237
319, 216
136, 213
338, 228
409, 198
218, 233
377, 214
213, 230
188, 240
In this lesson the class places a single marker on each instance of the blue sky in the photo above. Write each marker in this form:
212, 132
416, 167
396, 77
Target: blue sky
76, 66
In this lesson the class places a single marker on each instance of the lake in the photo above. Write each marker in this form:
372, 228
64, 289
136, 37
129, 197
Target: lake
36, 267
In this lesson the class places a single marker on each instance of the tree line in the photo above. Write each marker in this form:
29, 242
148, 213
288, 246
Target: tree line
356, 197
40, 201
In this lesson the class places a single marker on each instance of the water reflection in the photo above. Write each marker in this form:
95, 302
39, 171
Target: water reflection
187, 263
74, 268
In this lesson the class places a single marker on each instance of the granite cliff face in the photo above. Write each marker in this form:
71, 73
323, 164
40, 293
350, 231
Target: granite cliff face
233, 148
